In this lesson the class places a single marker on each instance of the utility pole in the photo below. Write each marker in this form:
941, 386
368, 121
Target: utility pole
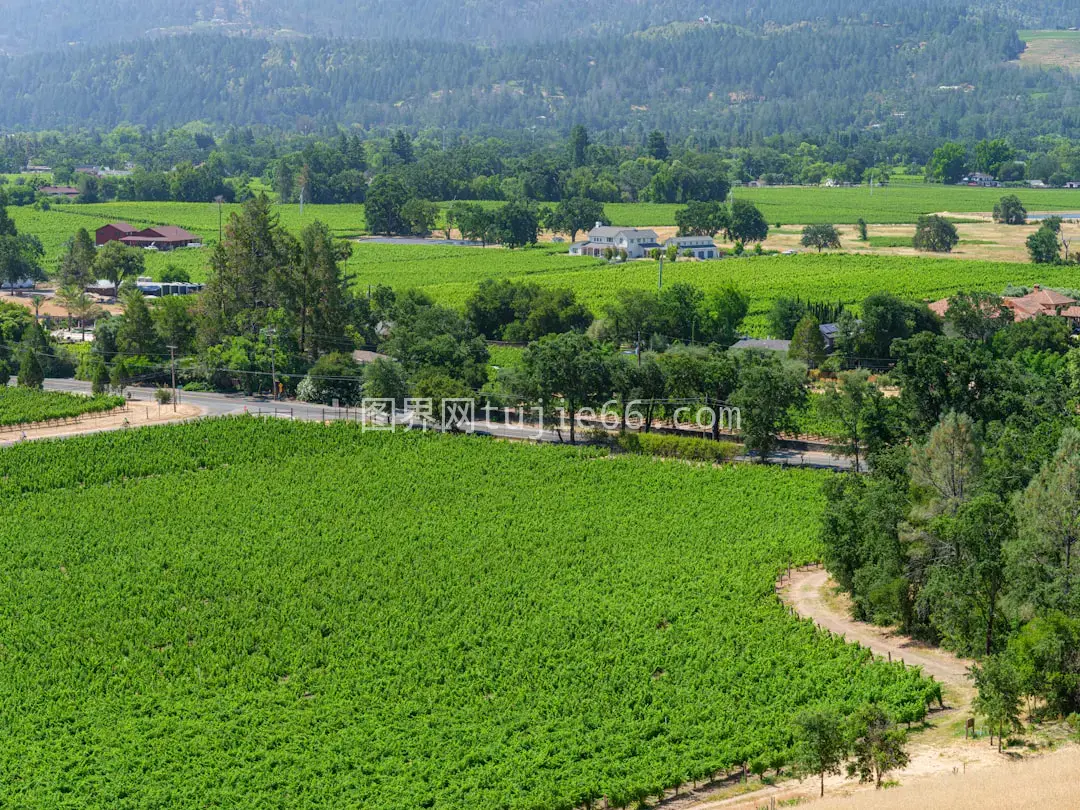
273, 365
172, 362
219, 200
660, 283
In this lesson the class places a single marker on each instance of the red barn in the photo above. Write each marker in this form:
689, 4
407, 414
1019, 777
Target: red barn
159, 237
113, 232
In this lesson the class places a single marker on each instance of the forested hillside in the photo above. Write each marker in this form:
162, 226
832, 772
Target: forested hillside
942, 70
45, 24
930, 73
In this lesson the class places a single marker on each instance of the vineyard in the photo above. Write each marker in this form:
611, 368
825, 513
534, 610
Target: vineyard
826, 277
23, 406
250, 614
450, 273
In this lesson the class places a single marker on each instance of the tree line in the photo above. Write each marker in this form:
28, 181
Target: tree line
963, 531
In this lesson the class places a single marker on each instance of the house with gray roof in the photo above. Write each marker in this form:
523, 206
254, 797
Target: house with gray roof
637, 242
702, 247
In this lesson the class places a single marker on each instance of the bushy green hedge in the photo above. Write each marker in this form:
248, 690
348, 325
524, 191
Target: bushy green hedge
684, 447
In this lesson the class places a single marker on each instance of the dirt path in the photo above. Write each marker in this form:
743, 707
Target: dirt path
138, 414
809, 593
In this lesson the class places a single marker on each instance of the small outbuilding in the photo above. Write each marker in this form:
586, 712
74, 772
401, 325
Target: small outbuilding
702, 247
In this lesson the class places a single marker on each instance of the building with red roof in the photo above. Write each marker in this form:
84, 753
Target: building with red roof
1036, 303
158, 237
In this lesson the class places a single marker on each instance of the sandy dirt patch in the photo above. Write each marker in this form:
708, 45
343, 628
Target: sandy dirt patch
984, 240
49, 307
1049, 781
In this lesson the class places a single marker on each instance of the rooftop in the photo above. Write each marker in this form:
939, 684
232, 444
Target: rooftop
762, 345
605, 231
1048, 298
123, 227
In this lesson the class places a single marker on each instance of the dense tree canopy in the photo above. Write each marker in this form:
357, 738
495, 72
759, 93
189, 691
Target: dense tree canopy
601, 73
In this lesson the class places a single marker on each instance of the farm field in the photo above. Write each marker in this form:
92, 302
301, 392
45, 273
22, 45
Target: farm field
846, 278
21, 406
1060, 49
988, 252
297, 626
895, 204
55, 226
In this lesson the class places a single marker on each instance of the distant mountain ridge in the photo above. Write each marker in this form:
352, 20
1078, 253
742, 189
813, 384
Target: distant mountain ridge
819, 67
33, 25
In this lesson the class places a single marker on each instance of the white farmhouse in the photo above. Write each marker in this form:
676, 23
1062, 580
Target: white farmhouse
636, 242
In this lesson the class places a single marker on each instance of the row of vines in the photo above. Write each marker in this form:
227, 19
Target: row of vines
23, 406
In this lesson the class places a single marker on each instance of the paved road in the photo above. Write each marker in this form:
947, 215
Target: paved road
236, 404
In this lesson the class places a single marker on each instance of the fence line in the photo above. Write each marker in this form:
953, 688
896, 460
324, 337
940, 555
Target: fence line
63, 420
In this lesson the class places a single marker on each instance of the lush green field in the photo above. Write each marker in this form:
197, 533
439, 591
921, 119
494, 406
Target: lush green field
241, 613
450, 274
896, 204
788, 205
902, 203
453, 272
56, 226
21, 406
1031, 36
13, 178
343, 220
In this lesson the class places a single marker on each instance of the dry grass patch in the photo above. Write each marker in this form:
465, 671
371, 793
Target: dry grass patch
1045, 782
1051, 49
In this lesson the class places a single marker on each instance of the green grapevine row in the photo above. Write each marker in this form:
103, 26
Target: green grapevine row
21, 406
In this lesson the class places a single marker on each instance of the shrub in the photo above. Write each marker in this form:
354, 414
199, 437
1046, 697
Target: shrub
681, 447
333, 377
